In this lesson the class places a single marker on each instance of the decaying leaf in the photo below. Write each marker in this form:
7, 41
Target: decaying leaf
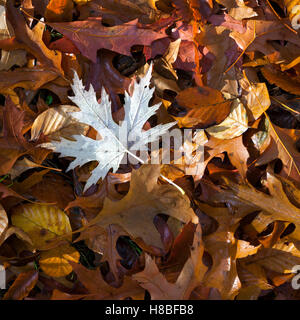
222, 246
277, 77
21, 166
236, 151
277, 203
12, 144
30, 40
282, 257
99, 289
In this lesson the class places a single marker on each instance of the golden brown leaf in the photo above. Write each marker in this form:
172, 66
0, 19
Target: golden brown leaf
277, 203
99, 289
282, 257
144, 200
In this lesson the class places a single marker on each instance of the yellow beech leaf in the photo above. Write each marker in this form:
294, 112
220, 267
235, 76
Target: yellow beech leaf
41, 222
55, 262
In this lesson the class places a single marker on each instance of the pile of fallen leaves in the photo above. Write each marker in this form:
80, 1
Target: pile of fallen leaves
75, 223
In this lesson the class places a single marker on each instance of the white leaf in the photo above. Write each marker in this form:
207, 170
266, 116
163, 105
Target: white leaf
117, 140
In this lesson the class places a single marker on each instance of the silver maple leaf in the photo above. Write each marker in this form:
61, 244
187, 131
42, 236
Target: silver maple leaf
117, 139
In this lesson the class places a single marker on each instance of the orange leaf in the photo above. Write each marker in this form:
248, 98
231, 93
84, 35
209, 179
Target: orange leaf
205, 107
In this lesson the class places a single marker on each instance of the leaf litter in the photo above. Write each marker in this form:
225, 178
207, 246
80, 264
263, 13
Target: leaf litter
87, 84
